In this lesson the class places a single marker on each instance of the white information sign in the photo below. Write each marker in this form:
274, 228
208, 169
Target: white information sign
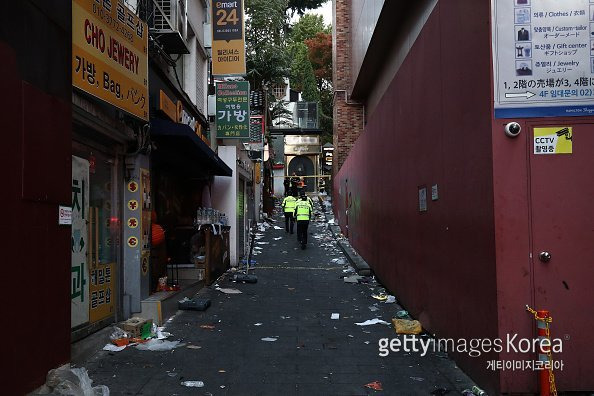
64, 215
543, 58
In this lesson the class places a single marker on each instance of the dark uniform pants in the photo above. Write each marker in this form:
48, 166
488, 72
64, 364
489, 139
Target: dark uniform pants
302, 226
289, 222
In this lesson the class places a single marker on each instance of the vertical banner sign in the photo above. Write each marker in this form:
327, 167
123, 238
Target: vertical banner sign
145, 182
228, 39
257, 133
233, 107
109, 54
543, 58
102, 292
79, 269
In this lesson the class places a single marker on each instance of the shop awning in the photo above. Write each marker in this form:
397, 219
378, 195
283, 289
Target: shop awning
179, 146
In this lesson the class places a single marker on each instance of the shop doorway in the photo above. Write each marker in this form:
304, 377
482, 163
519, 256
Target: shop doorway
94, 242
561, 191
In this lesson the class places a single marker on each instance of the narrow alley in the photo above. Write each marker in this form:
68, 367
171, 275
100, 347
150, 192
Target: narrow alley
277, 336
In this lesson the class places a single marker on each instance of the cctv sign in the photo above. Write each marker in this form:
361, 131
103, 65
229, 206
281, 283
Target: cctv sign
553, 140
543, 58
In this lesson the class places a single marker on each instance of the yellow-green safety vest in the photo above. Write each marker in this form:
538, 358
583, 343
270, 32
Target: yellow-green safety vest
303, 210
289, 204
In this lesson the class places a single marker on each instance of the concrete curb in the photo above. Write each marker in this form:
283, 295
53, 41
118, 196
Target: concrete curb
356, 261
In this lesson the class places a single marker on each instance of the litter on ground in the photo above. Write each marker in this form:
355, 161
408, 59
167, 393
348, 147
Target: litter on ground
372, 322
193, 384
404, 326
228, 290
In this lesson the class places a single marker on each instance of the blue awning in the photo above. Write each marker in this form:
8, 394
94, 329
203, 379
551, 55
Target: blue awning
178, 146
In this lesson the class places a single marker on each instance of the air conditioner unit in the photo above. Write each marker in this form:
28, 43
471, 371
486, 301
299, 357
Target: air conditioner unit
170, 25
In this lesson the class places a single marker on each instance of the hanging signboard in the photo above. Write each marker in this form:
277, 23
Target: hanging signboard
79, 268
109, 54
233, 107
543, 58
228, 38
256, 133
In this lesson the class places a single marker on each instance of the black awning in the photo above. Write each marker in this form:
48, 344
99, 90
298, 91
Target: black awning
179, 146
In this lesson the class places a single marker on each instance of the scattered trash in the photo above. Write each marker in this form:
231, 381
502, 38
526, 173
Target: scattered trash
380, 297
222, 371
351, 336
257, 324
417, 379
352, 279
193, 384
402, 314
405, 326
72, 381
263, 243
375, 385
335, 316
208, 327
245, 278
372, 322
278, 239
278, 228
138, 327
157, 345
194, 304
440, 392
478, 391
269, 339
113, 348
373, 308
194, 347
390, 300
367, 342
228, 291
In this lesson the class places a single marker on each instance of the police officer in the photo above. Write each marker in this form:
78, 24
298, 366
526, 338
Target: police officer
303, 212
288, 205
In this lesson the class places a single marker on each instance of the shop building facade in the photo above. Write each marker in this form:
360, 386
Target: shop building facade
454, 206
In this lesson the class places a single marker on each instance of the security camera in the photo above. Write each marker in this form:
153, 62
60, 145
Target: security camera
512, 129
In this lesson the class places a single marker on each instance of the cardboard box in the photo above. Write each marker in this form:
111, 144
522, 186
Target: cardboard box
138, 327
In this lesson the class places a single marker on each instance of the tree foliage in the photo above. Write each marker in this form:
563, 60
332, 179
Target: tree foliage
299, 6
320, 56
266, 31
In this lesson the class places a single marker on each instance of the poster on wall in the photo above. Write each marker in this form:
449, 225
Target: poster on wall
79, 269
543, 58
102, 292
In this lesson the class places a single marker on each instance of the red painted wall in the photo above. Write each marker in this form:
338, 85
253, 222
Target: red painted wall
432, 127
36, 177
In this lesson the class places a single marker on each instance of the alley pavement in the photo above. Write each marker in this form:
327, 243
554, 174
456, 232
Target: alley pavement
277, 337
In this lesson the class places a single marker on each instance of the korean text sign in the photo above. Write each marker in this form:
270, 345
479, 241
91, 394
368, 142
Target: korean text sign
233, 105
109, 54
543, 58
228, 38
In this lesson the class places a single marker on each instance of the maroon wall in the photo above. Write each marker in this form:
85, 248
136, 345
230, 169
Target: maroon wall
36, 177
432, 127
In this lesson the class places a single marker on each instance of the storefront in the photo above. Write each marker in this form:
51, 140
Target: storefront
98, 146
